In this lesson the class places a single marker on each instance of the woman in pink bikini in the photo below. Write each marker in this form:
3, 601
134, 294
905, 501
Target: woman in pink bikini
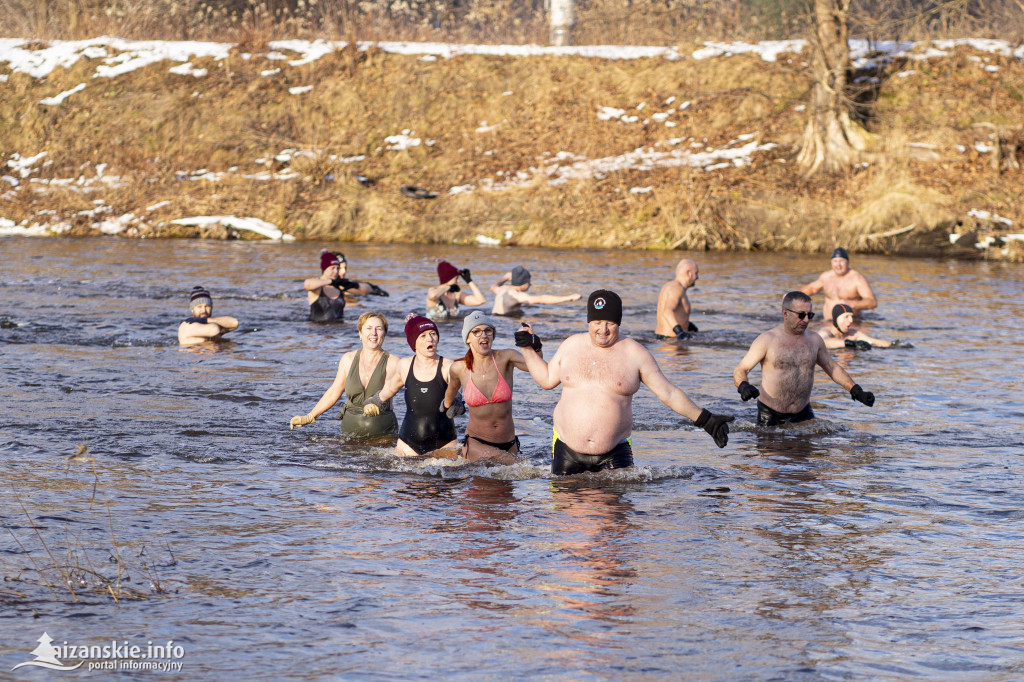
486, 374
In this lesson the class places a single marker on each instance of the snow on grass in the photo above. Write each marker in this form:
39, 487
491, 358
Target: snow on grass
57, 99
268, 230
116, 56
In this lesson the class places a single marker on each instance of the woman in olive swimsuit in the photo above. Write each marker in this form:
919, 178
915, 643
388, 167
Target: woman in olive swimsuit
361, 373
486, 375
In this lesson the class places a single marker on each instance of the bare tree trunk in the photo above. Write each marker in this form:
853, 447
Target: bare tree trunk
562, 19
831, 141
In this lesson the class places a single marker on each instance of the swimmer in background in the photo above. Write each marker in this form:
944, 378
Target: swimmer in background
787, 355
361, 374
486, 374
842, 284
600, 371
673, 305
326, 293
201, 326
443, 301
841, 333
510, 293
426, 427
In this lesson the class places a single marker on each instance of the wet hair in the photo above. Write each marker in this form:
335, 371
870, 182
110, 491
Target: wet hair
795, 296
367, 315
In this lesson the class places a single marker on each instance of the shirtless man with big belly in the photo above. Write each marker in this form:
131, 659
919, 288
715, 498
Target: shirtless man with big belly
599, 372
842, 284
788, 355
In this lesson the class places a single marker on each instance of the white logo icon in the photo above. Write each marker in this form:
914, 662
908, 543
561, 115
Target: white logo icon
599, 303
46, 656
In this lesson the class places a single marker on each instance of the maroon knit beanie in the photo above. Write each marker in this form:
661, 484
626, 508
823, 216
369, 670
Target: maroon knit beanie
329, 258
416, 325
445, 271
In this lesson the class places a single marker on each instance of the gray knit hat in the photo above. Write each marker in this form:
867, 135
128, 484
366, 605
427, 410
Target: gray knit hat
475, 319
199, 296
520, 275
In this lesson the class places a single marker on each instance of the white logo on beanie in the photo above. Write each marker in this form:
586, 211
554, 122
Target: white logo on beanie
599, 303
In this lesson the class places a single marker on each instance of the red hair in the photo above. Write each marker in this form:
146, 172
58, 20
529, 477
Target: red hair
468, 357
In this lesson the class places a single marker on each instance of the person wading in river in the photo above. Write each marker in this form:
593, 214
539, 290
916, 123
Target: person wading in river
426, 429
486, 374
326, 293
674, 308
361, 373
842, 284
787, 355
444, 300
201, 326
510, 293
840, 333
600, 371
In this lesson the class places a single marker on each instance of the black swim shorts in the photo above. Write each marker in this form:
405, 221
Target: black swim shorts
565, 461
766, 416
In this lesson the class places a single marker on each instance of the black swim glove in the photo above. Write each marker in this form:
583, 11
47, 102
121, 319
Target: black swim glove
900, 343
376, 290
454, 289
527, 339
691, 327
747, 391
862, 396
717, 426
678, 331
859, 345
344, 284
457, 407
465, 275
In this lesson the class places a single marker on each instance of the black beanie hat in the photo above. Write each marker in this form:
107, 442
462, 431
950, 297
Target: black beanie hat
604, 305
837, 310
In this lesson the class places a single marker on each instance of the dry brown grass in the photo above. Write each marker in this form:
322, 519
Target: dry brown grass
147, 126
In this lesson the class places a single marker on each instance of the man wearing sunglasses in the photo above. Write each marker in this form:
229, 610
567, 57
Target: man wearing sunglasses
787, 355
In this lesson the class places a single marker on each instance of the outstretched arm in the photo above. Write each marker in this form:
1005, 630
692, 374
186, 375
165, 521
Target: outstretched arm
861, 336
667, 392
330, 396
815, 287
548, 298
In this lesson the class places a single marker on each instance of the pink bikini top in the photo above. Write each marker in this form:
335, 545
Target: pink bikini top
502, 391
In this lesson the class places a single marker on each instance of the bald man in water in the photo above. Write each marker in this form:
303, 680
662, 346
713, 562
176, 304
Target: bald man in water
842, 284
674, 306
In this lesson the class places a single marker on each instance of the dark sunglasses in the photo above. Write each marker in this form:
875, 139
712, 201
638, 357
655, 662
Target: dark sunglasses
801, 315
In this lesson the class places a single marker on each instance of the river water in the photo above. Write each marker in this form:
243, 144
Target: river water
876, 542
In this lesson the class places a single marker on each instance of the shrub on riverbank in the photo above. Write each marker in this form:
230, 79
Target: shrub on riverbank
540, 150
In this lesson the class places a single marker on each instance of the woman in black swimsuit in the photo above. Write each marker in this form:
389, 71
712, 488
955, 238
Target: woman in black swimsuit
425, 429
326, 293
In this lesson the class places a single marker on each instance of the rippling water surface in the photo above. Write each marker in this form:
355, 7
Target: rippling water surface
876, 542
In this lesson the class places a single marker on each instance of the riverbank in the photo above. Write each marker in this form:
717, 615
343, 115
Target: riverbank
688, 147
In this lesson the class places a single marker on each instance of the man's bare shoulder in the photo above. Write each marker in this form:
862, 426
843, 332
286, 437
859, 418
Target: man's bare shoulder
671, 288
